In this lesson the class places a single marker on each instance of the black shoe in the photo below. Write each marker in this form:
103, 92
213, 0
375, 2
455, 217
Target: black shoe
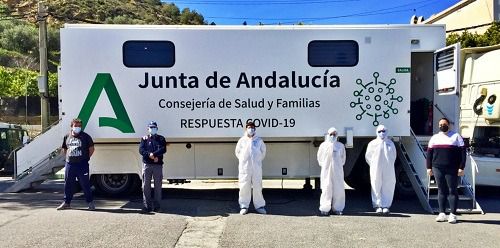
146, 210
157, 209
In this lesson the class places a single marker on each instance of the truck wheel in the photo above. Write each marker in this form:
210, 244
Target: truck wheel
359, 179
115, 184
404, 189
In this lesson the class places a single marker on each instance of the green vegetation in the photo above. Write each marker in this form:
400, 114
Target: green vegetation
22, 82
467, 39
19, 33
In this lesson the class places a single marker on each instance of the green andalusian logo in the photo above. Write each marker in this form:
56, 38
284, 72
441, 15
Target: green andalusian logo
376, 99
103, 81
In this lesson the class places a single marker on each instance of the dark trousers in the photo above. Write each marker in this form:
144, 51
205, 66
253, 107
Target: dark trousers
80, 171
447, 181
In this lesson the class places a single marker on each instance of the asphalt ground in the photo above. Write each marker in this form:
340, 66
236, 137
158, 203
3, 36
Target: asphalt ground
205, 214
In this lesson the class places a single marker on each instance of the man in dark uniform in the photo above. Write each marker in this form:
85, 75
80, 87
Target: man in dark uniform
78, 147
152, 148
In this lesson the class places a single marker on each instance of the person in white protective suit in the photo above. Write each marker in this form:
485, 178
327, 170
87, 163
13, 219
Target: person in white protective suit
331, 157
250, 152
381, 155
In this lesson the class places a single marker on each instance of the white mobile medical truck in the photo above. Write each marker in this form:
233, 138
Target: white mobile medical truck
201, 84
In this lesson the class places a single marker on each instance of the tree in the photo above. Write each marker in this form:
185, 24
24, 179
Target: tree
467, 39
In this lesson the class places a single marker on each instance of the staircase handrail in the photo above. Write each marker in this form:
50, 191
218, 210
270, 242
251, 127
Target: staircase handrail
46, 130
38, 164
414, 136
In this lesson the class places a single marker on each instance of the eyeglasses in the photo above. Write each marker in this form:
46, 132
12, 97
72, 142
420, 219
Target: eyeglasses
381, 131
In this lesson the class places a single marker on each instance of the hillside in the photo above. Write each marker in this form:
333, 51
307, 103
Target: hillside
107, 11
19, 32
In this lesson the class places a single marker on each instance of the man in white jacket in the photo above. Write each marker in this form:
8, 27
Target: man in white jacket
250, 152
331, 158
381, 155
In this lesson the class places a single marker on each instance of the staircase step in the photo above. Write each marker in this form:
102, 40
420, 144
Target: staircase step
460, 198
461, 211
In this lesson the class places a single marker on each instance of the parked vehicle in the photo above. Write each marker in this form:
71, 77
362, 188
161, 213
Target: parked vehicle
201, 84
11, 138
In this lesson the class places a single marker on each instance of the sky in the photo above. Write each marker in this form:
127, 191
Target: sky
268, 12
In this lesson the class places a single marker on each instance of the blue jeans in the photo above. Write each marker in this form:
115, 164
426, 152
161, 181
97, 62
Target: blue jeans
447, 182
80, 171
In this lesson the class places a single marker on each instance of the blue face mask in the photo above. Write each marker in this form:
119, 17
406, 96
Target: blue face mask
76, 130
153, 131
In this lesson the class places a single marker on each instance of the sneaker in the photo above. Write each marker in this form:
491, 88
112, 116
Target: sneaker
91, 206
63, 206
378, 210
441, 217
338, 213
244, 211
386, 211
323, 213
452, 219
261, 210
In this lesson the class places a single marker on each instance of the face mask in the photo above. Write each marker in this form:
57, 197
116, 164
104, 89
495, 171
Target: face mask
331, 138
76, 130
251, 131
153, 131
443, 128
382, 135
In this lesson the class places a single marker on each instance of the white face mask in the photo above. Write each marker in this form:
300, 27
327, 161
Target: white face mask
76, 130
153, 130
331, 138
382, 135
251, 131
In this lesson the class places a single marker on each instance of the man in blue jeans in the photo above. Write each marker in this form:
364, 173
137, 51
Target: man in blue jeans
78, 147
152, 148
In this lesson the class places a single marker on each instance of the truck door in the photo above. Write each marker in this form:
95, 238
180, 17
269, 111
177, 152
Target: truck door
447, 85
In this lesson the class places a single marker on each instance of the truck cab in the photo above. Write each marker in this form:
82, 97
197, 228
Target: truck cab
11, 138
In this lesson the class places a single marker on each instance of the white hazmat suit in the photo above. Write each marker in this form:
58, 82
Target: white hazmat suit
250, 152
381, 155
331, 157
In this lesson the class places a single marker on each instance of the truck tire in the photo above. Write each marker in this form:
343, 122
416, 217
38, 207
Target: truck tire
359, 179
115, 184
403, 189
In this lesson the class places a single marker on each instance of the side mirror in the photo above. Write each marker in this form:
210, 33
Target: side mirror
26, 139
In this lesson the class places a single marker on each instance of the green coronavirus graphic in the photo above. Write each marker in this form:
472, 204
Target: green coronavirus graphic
376, 99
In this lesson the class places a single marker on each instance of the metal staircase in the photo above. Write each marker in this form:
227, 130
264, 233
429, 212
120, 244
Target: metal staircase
38, 160
413, 159
466, 192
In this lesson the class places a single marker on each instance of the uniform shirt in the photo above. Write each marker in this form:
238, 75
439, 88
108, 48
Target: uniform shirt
155, 144
446, 150
77, 147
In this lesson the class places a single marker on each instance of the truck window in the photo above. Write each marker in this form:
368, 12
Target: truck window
333, 53
145, 54
486, 141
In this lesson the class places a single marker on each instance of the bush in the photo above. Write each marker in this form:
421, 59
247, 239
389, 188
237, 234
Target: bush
466, 39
